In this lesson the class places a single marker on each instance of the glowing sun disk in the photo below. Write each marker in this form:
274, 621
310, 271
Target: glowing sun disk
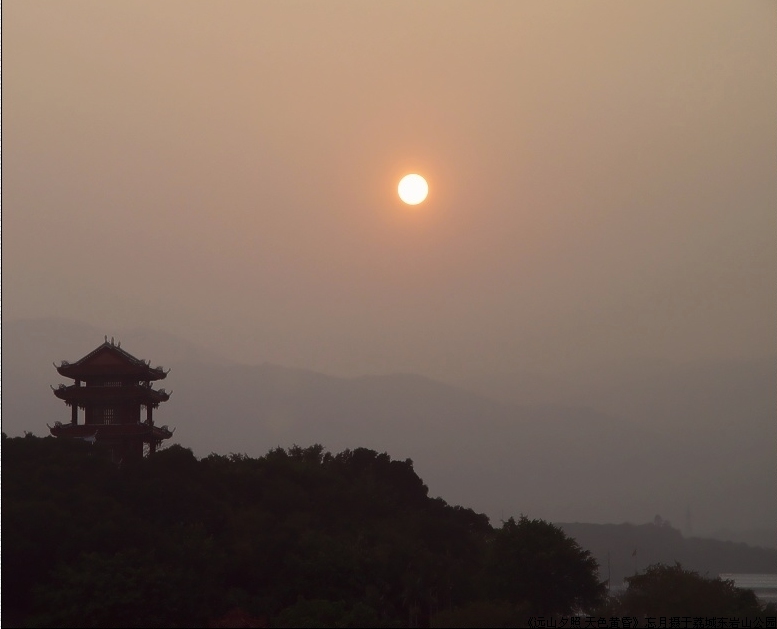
413, 189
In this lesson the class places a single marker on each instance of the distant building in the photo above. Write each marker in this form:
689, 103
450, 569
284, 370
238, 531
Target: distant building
112, 387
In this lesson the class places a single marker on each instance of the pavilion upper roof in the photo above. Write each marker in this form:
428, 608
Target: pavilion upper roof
109, 360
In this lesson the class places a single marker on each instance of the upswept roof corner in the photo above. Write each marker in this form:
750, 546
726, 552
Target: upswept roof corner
114, 347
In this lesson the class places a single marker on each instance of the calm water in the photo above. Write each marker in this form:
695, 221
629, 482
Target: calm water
764, 585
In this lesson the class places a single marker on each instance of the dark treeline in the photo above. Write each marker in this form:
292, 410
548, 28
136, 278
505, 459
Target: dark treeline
299, 537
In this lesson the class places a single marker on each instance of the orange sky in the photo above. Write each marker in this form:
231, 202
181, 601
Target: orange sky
602, 178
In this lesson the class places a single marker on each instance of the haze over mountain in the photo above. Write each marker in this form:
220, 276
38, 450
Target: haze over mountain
710, 454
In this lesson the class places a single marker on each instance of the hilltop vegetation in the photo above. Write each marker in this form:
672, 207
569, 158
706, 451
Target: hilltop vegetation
298, 537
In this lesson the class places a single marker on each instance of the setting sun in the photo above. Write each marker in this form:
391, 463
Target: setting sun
413, 189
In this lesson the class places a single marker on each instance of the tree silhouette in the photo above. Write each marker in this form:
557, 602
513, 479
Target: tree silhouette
534, 563
676, 591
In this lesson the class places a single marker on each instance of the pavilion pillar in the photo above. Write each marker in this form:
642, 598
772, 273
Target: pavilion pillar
149, 418
74, 414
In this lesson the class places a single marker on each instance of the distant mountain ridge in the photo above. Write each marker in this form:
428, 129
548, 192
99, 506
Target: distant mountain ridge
557, 462
622, 549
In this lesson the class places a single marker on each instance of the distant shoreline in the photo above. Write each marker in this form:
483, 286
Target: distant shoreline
764, 585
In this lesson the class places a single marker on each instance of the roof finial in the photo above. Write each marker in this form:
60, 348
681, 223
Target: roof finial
106, 338
111, 340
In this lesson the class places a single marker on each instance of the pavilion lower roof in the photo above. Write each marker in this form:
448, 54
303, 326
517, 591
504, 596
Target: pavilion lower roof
110, 432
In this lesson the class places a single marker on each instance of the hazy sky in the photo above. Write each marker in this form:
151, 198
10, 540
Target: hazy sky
602, 178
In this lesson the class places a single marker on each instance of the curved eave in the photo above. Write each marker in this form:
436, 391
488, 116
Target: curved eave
121, 362
84, 372
110, 432
141, 395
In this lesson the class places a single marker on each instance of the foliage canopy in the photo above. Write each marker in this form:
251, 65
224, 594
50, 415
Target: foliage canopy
680, 592
298, 537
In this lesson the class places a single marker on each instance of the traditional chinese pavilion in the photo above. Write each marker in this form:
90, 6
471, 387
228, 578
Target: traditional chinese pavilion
113, 388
